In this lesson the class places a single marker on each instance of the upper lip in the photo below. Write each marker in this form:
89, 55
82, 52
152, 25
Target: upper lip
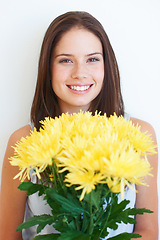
80, 85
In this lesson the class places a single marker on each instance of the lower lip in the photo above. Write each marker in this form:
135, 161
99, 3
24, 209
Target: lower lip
80, 92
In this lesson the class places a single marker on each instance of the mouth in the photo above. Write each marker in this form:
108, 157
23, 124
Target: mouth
80, 88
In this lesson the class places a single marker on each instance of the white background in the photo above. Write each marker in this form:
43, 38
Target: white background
133, 27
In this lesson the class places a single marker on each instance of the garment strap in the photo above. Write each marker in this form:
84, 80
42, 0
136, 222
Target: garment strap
127, 116
31, 125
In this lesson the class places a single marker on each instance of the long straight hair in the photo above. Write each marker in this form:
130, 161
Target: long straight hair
45, 101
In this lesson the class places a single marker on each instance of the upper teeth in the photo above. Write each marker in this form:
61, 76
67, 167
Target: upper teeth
80, 88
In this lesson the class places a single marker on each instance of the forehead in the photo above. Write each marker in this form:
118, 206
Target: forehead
78, 40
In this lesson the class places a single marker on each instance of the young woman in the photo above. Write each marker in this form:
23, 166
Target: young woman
77, 70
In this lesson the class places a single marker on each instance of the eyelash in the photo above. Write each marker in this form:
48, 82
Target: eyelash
65, 60
93, 59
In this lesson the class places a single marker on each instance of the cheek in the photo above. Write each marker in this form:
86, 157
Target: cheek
59, 74
56, 72
57, 77
99, 74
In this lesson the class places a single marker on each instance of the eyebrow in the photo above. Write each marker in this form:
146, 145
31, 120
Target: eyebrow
69, 55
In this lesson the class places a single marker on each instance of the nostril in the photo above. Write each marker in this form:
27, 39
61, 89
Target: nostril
79, 73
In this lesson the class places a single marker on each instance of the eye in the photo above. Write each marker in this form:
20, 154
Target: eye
93, 59
66, 60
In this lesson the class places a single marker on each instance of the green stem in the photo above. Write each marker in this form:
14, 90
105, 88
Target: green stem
91, 216
54, 175
45, 178
84, 226
42, 183
106, 194
83, 223
76, 223
109, 213
58, 178
101, 204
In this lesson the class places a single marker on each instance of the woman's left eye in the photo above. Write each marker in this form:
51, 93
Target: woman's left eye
66, 60
93, 59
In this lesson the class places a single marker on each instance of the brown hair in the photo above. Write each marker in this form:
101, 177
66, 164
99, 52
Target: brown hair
45, 101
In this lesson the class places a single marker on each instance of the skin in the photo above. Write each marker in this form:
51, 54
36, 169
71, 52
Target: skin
147, 224
77, 62
12, 200
76, 66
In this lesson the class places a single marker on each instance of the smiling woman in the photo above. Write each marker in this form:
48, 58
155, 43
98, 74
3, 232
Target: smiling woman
77, 71
76, 44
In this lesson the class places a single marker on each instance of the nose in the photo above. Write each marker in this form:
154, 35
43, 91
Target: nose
79, 71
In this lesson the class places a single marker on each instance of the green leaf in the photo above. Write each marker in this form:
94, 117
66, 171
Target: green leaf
74, 208
32, 188
24, 186
41, 220
53, 236
72, 235
96, 197
97, 232
125, 236
118, 207
64, 223
112, 223
56, 208
135, 211
118, 213
85, 223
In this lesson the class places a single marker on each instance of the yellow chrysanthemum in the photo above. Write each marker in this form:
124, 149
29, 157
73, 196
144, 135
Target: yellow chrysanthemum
113, 159
86, 179
90, 150
141, 141
36, 151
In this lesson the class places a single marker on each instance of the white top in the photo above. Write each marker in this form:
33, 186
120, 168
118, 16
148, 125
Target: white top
35, 205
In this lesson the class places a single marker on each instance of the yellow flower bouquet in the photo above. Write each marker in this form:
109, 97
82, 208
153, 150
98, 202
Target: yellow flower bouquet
83, 162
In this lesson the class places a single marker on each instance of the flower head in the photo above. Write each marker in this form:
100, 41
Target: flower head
88, 150
37, 150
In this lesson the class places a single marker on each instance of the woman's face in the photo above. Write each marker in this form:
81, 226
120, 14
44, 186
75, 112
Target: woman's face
77, 70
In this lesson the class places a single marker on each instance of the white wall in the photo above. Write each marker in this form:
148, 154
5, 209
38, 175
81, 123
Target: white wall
133, 27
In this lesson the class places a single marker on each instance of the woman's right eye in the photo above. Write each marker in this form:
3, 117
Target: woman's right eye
66, 60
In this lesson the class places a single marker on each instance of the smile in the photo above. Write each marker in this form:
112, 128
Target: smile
79, 88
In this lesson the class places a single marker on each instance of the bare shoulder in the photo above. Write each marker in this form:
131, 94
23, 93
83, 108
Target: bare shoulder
21, 132
147, 197
144, 127
9, 190
14, 138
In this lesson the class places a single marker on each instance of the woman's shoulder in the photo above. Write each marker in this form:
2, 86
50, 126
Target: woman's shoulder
147, 197
19, 133
9, 189
13, 139
144, 125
